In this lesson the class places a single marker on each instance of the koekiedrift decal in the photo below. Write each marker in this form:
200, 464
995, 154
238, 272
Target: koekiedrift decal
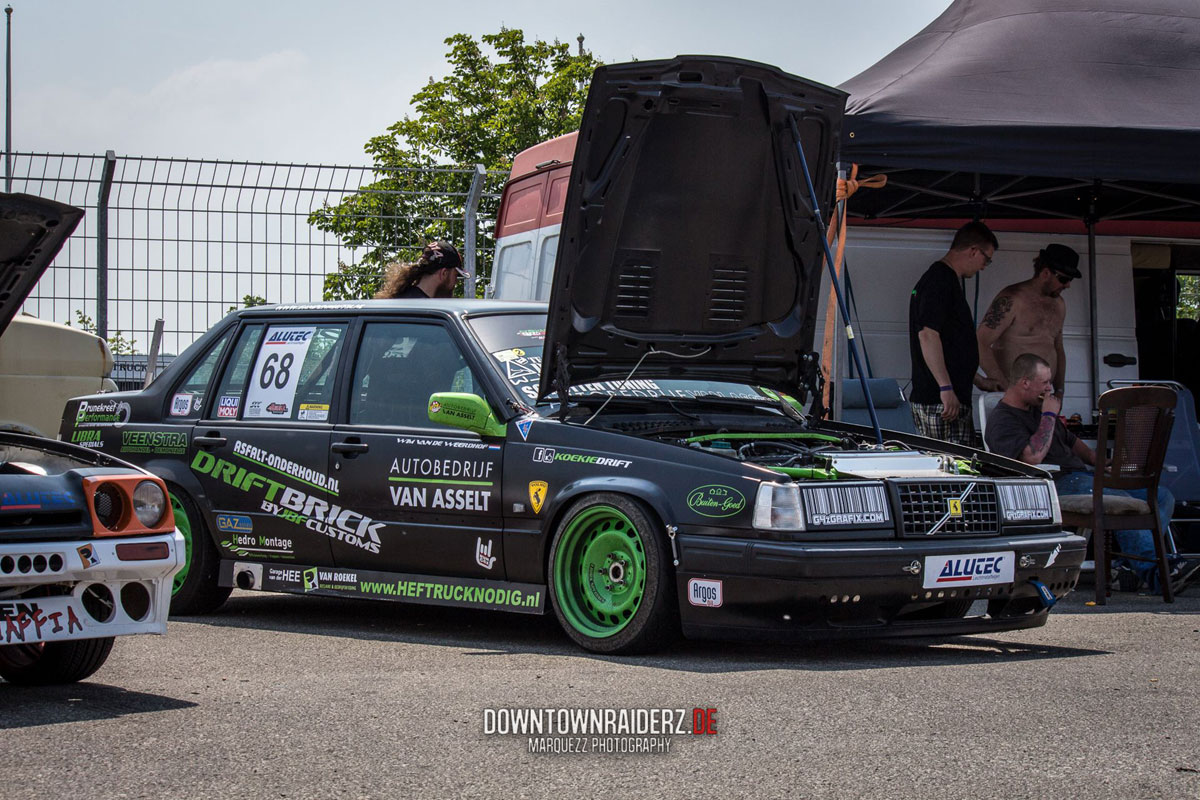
550, 455
716, 501
156, 442
293, 505
425, 589
102, 414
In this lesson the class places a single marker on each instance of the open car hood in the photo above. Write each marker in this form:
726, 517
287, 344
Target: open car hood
688, 227
32, 230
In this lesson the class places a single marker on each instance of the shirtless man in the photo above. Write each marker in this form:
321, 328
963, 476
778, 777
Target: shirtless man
1027, 317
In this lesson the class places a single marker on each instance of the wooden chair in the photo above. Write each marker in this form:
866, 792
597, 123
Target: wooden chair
1138, 419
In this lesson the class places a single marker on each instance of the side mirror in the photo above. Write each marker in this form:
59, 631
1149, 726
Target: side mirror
467, 411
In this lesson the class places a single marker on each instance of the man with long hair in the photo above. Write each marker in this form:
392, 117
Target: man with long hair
434, 274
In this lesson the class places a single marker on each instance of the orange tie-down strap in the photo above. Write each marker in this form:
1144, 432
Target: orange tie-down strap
837, 226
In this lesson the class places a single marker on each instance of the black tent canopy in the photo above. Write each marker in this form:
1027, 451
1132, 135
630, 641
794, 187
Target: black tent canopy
1076, 109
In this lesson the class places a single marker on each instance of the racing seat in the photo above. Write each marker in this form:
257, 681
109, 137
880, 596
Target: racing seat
891, 407
1140, 419
987, 402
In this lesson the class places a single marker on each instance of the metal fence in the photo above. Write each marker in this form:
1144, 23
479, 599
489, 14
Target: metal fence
186, 240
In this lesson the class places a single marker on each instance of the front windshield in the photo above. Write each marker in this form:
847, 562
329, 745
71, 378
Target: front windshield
514, 341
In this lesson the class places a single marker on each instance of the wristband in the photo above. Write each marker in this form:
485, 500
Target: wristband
945, 388
1049, 413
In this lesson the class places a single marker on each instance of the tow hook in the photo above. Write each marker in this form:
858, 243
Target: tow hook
1044, 594
671, 531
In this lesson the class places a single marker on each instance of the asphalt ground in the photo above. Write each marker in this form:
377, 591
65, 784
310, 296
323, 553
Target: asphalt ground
297, 697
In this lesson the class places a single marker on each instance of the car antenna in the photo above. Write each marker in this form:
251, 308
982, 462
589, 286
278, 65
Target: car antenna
837, 287
651, 351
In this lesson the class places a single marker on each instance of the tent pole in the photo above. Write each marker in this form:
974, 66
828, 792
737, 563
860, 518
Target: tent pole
1093, 295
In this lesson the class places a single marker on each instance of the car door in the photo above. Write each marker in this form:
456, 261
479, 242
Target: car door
262, 451
431, 492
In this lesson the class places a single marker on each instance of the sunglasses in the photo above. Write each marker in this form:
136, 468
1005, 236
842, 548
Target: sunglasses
1063, 280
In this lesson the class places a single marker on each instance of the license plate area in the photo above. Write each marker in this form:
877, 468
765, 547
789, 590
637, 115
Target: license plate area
976, 569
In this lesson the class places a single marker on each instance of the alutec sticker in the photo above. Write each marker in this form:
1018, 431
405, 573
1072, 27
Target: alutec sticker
979, 569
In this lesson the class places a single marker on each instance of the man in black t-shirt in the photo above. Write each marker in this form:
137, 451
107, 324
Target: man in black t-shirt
941, 338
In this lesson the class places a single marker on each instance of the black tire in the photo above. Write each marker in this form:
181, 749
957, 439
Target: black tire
53, 662
197, 592
627, 602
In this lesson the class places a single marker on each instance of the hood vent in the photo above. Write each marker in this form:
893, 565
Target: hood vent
635, 284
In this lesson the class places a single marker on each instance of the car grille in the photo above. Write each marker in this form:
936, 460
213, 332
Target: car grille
924, 504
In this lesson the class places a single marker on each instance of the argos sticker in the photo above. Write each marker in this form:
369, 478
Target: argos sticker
706, 592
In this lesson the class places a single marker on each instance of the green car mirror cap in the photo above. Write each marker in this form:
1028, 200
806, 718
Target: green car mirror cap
467, 411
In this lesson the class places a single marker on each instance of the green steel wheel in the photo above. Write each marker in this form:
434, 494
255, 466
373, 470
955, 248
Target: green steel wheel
609, 581
184, 524
195, 589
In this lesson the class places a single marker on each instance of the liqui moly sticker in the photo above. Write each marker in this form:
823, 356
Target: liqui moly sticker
706, 592
228, 406
978, 569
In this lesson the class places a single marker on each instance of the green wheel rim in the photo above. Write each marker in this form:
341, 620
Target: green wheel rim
184, 524
600, 572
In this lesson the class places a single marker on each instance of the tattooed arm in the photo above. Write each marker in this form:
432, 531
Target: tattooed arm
997, 320
1039, 443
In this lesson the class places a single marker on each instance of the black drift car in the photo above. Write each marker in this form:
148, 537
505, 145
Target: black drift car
633, 459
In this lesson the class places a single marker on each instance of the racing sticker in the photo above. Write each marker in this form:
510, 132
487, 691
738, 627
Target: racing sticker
227, 406
87, 556
524, 598
276, 374
483, 553
313, 412
715, 500
181, 405
41, 620
978, 569
537, 495
706, 593
102, 414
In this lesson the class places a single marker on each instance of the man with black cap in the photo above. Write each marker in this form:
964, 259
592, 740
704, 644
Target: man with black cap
1027, 317
434, 274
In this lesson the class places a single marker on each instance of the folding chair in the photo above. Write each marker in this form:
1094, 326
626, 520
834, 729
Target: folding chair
1138, 419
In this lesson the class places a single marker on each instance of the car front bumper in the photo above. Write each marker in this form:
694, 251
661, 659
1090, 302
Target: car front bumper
86, 589
781, 590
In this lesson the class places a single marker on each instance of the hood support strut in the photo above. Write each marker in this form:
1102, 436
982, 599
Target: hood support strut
837, 288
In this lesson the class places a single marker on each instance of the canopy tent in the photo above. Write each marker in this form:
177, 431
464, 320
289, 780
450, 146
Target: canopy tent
1068, 108
1083, 111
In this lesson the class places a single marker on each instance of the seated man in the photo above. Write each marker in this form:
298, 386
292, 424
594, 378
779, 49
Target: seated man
1025, 426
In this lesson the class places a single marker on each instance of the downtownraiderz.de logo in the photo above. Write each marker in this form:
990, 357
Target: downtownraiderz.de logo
599, 730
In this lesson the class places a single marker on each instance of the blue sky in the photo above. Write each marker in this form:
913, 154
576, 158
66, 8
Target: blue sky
312, 81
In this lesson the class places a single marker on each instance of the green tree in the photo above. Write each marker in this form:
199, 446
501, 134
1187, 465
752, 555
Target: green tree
118, 345
502, 95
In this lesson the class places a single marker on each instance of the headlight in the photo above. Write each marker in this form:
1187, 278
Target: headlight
1029, 501
777, 507
149, 503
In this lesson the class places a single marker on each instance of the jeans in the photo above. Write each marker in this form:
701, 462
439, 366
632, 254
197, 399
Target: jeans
1134, 542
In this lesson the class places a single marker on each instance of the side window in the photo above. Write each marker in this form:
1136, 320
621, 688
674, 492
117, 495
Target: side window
292, 374
188, 397
400, 364
233, 383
